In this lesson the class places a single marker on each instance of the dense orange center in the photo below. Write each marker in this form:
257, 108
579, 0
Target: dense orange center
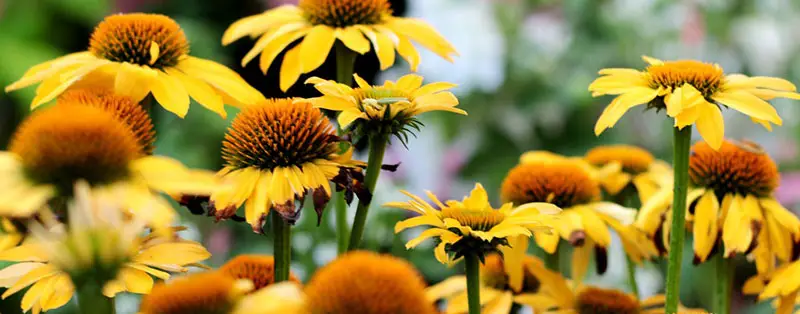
562, 183
203, 293
738, 167
477, 219
257, 268
344, 13
592, 300
129, 37
705, 77
633, 159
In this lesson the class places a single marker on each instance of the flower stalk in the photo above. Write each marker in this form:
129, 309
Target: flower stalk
473, 283
282, 244
627, 198
345, 66
723, 286
92, 301
681, 146
377, 148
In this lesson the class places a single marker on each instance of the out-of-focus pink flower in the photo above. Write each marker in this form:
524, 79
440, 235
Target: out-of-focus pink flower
219, 243
788, 193
693, 31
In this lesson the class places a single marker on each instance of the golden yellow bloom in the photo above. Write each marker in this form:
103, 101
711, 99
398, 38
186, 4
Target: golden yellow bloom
259, 269
390, 108
56, 147
692, 93
361, 25
782, 284
731, 199
98, 244
209, 292
138, 54
472, 223
277, 152
568, 183
122, 107
624, 166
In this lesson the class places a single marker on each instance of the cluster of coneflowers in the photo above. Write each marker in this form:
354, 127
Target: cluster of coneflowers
85, 210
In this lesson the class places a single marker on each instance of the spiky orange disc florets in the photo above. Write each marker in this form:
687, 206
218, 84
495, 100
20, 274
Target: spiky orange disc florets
592, 300
256, 268
278, 133
739, 167
563, 183
633, 159
130, 37
203, 293
344, 13
368, 283
705, 77
62, 144
122, 107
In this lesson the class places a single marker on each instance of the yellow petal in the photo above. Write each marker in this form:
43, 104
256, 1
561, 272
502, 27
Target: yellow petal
273, 42
621, 105
424, 34
580, 261
513, 256
446, 288
170, 94
315, 47
710, 125
407, 50
172, 253
155, 51
201, 92
54, 86
652, 61
225, 80
291, 68
750, 105
705, 226
353, 39
384, 48
133, 81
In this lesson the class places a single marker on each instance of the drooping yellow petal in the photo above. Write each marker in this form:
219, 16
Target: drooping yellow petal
621, 105
201, 92
315, 47
170, 94
424, 34
408, 52
384, 48
705, 227
133, 81
291, 68
710, 125
353, 38
513, 257
750, 105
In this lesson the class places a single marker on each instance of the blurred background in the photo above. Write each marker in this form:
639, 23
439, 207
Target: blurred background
523, 74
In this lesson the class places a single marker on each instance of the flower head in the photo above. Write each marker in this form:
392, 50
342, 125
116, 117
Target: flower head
571, 184
691, 92
387, 109
360, 25
472, 226
56, 147
138, 54
781, 284
209, 292
256, 268
278, 152
624, 166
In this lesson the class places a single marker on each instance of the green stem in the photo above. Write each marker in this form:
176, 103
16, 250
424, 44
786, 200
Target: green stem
681, 144
473, 283
282, 246
552, 261
627, 198
342, 228
92, 301
632, 276
377, 147
345, 65
723, 287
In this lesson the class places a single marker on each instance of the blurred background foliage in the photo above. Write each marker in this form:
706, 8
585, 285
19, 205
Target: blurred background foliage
523, 72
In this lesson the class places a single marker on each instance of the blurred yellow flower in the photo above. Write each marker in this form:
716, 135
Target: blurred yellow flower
783, 284
625, 166
208, 292
259, 269
137, 54
361, 25
692, 93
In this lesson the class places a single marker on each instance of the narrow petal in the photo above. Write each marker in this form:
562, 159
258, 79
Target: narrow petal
353, 39
291, 68
134, 81
710, 125
203, 93
316, 46
170, 94
750, 105
705, 226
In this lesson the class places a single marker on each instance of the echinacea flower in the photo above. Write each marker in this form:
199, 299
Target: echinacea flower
361, 25
58, 146
691, 92
98, 243
138, 54
280, 151
207, 292
569, 184
256, 268
622, 167
782, 284
730, 203
390, 108
357, 282
472, 226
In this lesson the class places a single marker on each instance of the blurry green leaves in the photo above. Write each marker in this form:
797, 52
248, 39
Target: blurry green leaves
89, 11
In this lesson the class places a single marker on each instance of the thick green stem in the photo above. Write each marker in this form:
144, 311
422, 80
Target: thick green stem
377, 147
282, 245
92, 301
634, 286
723, 287
342, 228
473, 283
680, 157
345, 65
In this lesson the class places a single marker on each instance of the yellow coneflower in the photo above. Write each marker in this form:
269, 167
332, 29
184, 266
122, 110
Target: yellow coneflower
731, 202
258, 269
58, 146
471, 226
278, 152
691, 92
208, 292
557, 295
361, 25
137, 54
390, 108
97, 244
356, 282
122, 107
625, 166
569, 183
781, 284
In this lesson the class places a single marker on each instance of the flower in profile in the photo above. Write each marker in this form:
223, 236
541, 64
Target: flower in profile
361, 25
731, 201
122, 107
138, 54
58, 146
99, 244
570, 184
387, 109
472, 226
278, 152
781, 284
691, 92
622, 167
207, 292
259, 269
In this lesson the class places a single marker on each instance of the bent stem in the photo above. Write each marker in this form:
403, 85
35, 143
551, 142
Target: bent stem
680, 151
723, 287
473, 283
377, 147
345, 64
282, 246
92, 301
